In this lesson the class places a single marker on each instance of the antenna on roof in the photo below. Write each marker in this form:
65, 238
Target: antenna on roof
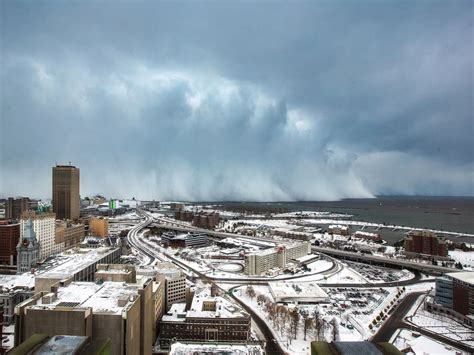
69, 162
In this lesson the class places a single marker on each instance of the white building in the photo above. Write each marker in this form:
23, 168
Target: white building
258, 263
44, 226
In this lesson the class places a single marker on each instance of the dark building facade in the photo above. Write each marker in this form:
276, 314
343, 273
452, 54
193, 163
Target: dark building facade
421, 243
198, 219
66, 198
14, 207
9, 236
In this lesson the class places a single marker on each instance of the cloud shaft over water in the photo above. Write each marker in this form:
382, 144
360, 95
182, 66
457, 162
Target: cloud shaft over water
214, 101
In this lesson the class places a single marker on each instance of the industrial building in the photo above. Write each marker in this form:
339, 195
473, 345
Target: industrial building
260, 262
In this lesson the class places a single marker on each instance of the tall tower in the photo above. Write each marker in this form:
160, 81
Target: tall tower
66, 201
27, 249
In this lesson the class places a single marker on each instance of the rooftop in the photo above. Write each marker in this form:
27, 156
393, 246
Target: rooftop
215, 349
464, 276
11, 282
298, 290
223, 308
76, 260
108, 297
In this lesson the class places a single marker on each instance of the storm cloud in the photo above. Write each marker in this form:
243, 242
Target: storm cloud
238, 101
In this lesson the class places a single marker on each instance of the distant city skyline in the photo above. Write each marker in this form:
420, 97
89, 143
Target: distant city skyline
267, 101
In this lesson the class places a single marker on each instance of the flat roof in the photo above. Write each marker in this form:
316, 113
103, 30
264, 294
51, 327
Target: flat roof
464, 276
76, 261
297, 290
102, 298
62, 344
223, 309
10, 282
215, 349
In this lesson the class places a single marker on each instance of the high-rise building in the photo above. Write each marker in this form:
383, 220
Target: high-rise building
66, 200
9, 236
44, 227
14, 207
425, 243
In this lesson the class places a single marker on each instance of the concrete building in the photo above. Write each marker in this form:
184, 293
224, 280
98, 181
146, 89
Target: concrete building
425, 244
9, 237
28, 249
41, 344
66, 198
44, 225
80, 265
454, 296
188, 240
14, 289
174, 281
68, 235
158, 293
114, 310
99, 227
260, 262
14, 207
209, 319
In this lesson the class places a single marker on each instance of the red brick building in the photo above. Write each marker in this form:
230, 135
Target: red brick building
9, 236
425, 243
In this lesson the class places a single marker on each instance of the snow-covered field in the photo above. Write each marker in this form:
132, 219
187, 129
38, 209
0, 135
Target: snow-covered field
421, 345
466, 258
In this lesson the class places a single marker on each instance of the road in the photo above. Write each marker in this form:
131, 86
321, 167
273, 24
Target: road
426, 268
271, 345
397, 321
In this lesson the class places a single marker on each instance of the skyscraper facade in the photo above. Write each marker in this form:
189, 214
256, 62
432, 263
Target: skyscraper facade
66, 200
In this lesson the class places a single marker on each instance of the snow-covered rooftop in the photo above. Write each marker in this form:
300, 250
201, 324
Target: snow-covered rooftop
299, 292
221, 308
215, 349
77, 260
464, 276
107, 297
10, 282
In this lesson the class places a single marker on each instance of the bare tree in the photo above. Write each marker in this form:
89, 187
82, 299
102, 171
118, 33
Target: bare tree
318, 323
334, 329
250, 291
262, 298
294, 320
307, 323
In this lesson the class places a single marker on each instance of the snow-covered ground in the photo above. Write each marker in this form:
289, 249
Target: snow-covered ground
442, 325
466, 258
421, 345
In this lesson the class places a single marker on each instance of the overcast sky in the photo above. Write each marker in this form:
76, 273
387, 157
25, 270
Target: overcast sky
237, 100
